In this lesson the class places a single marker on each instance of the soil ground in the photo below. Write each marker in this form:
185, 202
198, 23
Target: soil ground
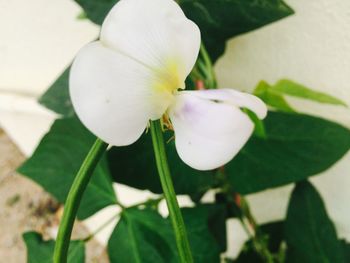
24, 206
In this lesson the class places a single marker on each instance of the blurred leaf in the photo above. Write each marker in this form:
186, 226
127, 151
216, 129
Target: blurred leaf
135, 166
275, 233
291, 88
297, 146
274, 238
273, 95
40, 251
96, 10
248, 254
57, 159
221, 20
346, 249
259, 127
145, 236
310, 234
56, 98
265, 92
82, 16
206, 227
232, 209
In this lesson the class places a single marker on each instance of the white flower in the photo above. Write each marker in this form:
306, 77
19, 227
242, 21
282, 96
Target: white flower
133, 74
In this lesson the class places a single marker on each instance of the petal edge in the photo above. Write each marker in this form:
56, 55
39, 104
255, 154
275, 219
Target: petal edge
111, 94
208, 134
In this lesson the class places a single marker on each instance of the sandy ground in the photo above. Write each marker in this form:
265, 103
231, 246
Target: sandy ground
24, 206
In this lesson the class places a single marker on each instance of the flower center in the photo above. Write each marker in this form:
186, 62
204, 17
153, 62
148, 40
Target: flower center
168, 79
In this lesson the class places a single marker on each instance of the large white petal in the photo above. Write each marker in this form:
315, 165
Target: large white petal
111, 94
154, 32
234, 97
208, 134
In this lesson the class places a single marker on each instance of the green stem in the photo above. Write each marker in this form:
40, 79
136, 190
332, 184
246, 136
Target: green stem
247, 219
169, 193
260, 244
210, 74
73, 200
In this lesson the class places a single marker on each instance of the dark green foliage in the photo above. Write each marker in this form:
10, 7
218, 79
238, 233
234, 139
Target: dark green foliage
286, 148
40, 251
56, 98
309, 232
96, 10
145, 236
135, 166
273, 236
142, 236
297, 146
57, 159
221, 20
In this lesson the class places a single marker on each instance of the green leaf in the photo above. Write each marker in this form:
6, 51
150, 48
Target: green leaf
96, 10
232, 209
142, 236
310, 234
274, 232
135, 166
297, 146
221, 20
206, 228
273, 95
248, 254
56, 98
272, 98
294, 89
346, 249
259, 128
57, 159
82, 16
145, 236
40, 251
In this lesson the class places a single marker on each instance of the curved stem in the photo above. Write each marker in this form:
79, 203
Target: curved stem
182, 243
73, 200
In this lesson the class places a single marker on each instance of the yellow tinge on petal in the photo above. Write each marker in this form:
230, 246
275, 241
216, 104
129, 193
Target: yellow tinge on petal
168, 78
166, 82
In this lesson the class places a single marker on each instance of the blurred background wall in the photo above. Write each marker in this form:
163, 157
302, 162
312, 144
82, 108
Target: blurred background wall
39, 38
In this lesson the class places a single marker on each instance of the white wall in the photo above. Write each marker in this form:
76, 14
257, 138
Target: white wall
39, 38
313, 48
